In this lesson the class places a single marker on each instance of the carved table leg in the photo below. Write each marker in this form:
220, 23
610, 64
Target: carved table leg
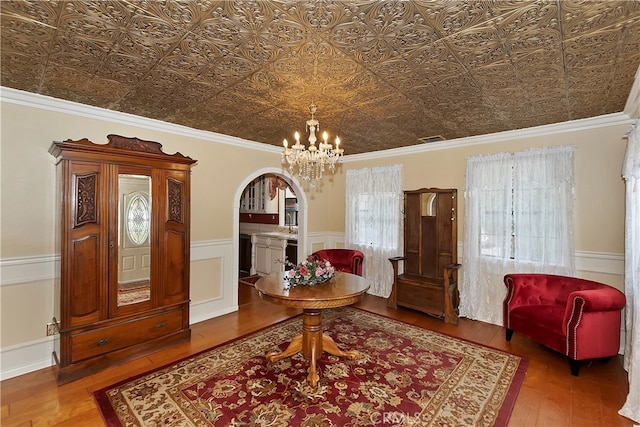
312, 342
294, 346
313, 376
330, 346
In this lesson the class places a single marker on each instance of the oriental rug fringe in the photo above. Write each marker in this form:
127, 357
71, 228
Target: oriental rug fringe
406, 375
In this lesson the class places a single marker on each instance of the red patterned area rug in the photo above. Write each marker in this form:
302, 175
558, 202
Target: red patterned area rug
405, 375
135, 292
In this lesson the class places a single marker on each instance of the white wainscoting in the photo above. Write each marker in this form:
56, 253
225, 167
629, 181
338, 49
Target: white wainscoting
28, 269
26, 357
327, 240
37, 354
227, 302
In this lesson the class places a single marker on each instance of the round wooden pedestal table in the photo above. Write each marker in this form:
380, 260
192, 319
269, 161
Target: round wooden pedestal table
343, 289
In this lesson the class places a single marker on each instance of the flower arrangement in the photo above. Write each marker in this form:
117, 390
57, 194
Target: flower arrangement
309, 272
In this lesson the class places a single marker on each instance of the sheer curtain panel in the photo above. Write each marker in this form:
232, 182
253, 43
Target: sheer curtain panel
631, 174
373, 221
518, 218
487, 236
544, 193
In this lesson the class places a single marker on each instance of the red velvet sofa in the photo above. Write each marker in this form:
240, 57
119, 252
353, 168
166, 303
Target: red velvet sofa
348, 260
576, 317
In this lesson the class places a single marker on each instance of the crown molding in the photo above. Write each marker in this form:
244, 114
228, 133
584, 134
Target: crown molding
491, 138
632, 107
44, 102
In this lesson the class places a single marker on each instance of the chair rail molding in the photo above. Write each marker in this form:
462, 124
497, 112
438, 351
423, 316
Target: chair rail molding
28, 269
17, 270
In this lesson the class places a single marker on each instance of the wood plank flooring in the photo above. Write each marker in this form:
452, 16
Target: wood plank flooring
550, 396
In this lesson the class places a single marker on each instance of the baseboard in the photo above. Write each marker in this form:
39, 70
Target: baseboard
38, 354
26, 357
205, 310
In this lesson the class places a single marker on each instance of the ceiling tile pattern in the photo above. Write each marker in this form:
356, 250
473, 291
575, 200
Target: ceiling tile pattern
383, 73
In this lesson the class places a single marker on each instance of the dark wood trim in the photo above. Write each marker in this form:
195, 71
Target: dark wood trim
260, 218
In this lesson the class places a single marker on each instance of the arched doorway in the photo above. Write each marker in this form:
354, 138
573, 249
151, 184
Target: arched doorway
296, 186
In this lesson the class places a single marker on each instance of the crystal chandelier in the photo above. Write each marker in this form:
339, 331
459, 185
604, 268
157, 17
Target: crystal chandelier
311, 161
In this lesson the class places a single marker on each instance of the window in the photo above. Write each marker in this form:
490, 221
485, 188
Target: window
138, 219
375, 226
492, 230
523, 204
373, 221
518, 218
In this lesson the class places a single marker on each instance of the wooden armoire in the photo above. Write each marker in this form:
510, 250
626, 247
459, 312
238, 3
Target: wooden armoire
123, 288
429, 280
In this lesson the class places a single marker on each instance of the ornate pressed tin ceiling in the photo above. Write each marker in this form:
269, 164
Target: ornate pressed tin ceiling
383, 73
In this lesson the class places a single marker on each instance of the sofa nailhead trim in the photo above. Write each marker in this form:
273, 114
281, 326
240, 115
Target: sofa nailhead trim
573, 333
510, 293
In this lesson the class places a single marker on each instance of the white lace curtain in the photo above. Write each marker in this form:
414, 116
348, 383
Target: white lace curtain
544, 190
373, 221
631, 174
518, 218
487, 224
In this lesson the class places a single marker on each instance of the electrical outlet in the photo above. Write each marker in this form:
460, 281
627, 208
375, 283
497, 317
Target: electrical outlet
51, 329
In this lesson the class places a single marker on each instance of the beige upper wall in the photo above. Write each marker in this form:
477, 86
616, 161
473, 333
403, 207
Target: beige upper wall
599, 206
27, 175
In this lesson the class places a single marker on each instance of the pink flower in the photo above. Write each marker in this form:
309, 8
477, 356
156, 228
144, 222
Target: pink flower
291, 274
303, 270
319, 271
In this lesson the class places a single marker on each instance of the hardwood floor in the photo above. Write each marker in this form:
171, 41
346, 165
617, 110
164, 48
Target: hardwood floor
550, 396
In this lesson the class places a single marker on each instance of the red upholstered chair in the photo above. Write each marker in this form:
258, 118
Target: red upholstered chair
348, 260
576, 317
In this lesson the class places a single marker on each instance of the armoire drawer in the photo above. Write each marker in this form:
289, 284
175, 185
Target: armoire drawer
104, 340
